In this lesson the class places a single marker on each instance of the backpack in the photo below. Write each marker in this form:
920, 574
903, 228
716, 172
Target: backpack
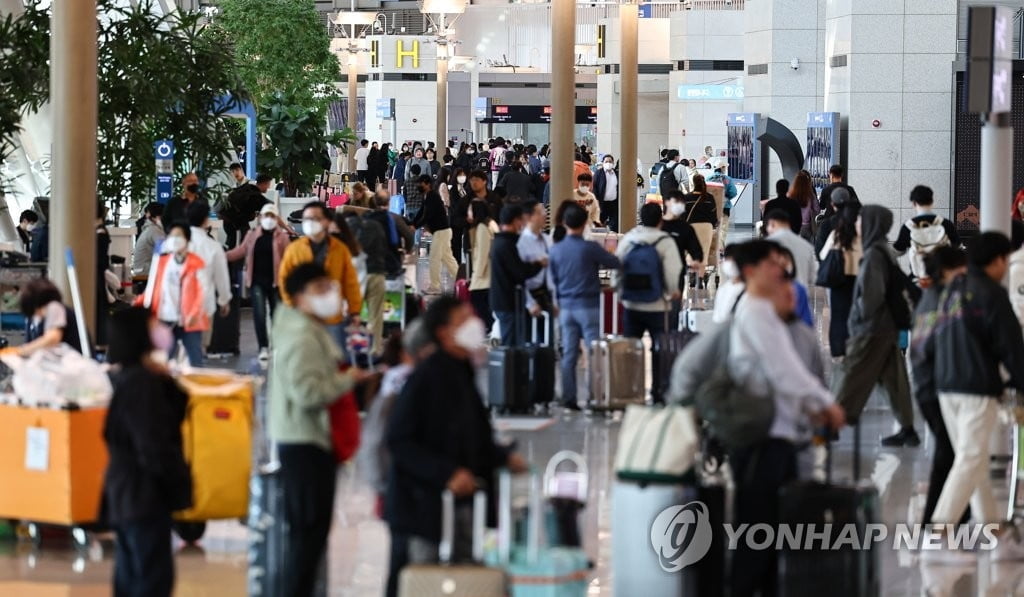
667, 182
735, 417
642, 276
925, 237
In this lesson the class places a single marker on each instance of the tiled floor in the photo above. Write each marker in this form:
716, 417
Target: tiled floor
359, 543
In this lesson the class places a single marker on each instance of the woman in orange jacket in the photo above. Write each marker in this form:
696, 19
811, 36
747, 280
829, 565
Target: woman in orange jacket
175, 295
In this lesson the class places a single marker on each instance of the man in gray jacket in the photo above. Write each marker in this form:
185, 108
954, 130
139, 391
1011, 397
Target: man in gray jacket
872, 352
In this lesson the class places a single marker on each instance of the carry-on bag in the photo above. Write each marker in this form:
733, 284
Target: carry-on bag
667, 346
540, 358
616, 373
536, 570
227, 330
657, 444
814, 571
455, 579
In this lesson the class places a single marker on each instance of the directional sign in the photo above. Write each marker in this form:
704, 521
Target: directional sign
163, 152
989, 59
710, 92
385, 108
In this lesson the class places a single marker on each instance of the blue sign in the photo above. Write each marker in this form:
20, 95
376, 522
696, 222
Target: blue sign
646, 11
481, 108
163, 152
710, 92
385, 108
822, 118
742, 119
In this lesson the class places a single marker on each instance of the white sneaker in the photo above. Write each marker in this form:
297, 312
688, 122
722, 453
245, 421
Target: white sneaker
948, 557
1009, 548
264, 354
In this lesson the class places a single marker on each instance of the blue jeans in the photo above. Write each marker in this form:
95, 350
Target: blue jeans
262, 298
510, 336
193, 342
575, 322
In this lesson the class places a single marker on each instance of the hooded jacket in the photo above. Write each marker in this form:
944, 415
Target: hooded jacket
869, 313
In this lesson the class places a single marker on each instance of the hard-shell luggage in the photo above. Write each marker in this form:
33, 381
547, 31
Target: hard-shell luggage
455, 580
227, 330
508, 379
814, 571
616, 373
667, 346
540, 357
612, 312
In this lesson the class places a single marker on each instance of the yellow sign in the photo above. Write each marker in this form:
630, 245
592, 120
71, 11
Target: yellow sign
401, 53
374, 54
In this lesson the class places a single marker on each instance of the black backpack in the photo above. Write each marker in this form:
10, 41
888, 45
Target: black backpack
667, 182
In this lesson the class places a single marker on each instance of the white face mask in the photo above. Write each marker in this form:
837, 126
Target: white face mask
471, 335
173, 244
584, 189
325, 306
461, 180
268, 223
311, 228
30, 227
608, 166
676, 208
729, 270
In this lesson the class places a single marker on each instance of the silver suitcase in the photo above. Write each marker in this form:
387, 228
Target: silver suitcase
455, 580
616, 373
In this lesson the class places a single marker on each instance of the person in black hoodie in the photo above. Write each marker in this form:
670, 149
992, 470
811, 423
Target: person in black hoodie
439, 438
509, 274
978, 335
835, 175
147, 478
872, 351
784, 203
516, 183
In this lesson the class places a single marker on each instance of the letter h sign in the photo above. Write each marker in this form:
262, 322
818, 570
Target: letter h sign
401, 53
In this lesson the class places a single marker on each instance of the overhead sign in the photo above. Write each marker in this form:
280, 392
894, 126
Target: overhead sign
710, 92
386, 108
989, 59
401, 53
163, 152
498, 114
480, 108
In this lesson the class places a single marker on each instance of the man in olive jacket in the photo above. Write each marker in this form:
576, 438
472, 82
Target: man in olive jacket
304, 381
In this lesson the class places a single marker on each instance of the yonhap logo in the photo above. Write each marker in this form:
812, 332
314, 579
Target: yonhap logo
681, 535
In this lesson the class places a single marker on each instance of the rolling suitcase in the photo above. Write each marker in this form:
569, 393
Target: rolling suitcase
508, 379
540, 357
616, 373
455, 580
224, 338
667, 346
814, 572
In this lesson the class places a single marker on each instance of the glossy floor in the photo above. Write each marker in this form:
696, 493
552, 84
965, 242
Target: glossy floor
359, 542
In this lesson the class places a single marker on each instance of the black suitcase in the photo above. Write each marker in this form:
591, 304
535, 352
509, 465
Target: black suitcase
508, 379
227, 330
814, 572
540, 357
667, 346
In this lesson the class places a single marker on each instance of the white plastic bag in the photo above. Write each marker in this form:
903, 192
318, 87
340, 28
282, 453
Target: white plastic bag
60, 377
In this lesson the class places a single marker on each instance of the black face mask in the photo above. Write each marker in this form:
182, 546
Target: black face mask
192, 188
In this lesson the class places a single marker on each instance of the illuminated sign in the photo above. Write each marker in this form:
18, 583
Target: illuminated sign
535, 114
401, 53
710, 92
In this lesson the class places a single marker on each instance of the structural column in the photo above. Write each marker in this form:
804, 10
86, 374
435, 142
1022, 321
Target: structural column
628, 78
996, 185
353, 106
73, 99
563, 100
442, 97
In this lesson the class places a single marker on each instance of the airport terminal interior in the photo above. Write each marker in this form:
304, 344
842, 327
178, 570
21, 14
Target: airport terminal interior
371, 299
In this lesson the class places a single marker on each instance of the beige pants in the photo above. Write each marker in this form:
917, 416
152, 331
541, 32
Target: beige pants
723, 230
374, 297
970, 419
441, 253
705, 235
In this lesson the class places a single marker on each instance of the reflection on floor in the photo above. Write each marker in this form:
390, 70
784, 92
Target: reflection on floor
359, 543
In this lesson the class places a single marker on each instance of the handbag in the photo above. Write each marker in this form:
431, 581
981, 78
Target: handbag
344, 417
832, 271
736, 417
657, 444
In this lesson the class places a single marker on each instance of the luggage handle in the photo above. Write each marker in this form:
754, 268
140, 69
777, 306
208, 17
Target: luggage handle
445, 548
567, 456
533, 525
546, 318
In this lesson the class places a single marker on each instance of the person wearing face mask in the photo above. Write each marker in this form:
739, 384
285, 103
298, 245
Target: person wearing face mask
322, 249
305, 380
509, 274
262, 248
479, 192
215, 275
730, 286
587, 200
27, 223
434, 219
458, 212
440, 437
50, 321
149, 240
177, 208
174, 293
675, 224
606, 189
416, 160
147, 478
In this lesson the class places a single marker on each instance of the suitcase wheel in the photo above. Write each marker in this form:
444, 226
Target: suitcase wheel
189, 532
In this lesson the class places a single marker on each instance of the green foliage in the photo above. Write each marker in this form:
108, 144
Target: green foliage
282, 47
160, 77
297, 154
24, 71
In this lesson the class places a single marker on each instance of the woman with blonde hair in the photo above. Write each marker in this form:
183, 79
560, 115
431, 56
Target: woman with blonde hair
361, 196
